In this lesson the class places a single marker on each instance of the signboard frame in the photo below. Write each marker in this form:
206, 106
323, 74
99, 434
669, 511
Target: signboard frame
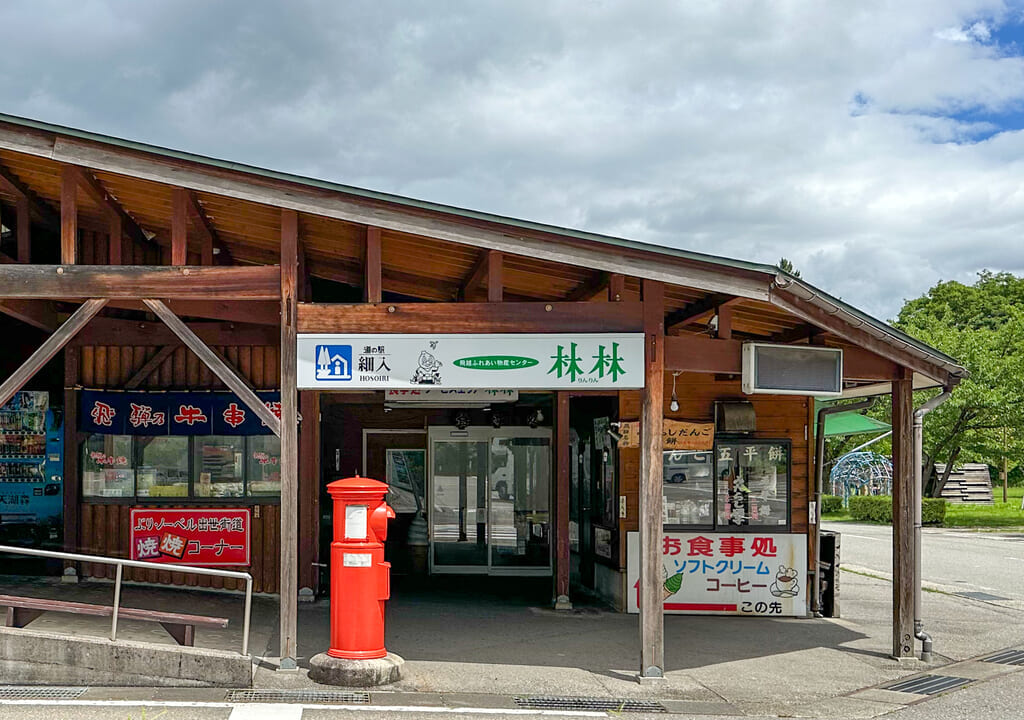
187, 534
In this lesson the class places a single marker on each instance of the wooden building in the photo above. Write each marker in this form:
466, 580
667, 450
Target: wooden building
136, 277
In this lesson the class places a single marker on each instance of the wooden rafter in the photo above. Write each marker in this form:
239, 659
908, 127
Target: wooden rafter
42, 209
210, 238
590, 288
797, 334
99, 195
481, 272
37, 313
696, 310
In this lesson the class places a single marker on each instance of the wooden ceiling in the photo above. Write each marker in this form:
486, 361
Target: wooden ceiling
413, 266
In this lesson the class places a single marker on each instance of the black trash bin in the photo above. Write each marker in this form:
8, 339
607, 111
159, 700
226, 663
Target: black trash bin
829, 564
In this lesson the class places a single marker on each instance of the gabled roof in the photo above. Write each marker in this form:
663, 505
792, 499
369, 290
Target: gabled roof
761, 284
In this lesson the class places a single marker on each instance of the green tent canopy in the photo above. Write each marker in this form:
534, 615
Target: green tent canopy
849, 423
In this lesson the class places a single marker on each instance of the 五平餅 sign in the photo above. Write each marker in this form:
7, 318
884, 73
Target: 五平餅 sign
715, 573
201, 536
497, 361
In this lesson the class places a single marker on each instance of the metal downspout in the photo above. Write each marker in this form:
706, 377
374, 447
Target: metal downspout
919, 633
819, 472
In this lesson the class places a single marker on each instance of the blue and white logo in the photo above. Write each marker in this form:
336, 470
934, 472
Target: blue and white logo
333, 362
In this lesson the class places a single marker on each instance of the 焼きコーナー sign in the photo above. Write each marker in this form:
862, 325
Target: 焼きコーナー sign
675, 435
726, 574
489, 362
205, 536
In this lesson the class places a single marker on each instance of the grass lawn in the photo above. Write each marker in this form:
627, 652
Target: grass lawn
999, 515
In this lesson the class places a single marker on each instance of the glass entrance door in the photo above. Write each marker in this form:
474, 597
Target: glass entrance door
490, 498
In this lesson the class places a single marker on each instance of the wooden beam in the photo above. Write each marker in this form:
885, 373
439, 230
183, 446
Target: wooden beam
698, 309
150, 366
616, 287
256, 312
179, 226
289, 585
124, 333
258, 282
49, 348
903, 479
563, 467
476, 276
531, 242
42, 209
201, 222
215, 363
495, 281
23, 228
858, 336
724, 330
590, 288
37, 313
99, 195
68, 216
372, 285
797, 334
470, 317
652, 620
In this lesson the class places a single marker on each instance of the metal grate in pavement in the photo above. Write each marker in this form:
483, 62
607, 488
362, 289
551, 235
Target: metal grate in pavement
585, 703
1006, 657
927, 684
986, 597
32, 692
298, 696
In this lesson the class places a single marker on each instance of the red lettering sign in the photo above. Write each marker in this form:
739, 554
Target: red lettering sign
202, 536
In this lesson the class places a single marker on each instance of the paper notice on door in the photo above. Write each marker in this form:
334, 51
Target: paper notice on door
355, 522
357, 559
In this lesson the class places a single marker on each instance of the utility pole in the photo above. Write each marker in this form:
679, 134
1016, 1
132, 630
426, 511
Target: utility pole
1003, 473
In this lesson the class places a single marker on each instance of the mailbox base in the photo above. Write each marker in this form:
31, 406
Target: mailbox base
328, 670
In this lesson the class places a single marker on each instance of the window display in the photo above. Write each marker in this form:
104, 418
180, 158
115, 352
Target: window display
162, 469
689, 488
218, 463
107, 467
264, 471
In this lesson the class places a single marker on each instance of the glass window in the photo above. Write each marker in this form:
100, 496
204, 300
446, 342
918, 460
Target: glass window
264, 465
107, 469
162, 466
689, 482
753, 483
219, 466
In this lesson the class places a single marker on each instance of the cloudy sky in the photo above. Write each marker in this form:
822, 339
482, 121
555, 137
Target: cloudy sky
878, 145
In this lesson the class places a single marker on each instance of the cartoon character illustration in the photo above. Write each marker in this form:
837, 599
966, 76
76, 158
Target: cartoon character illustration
429, 370
672, 583
787, 583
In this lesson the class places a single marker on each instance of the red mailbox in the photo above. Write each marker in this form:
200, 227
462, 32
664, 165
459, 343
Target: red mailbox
360, 579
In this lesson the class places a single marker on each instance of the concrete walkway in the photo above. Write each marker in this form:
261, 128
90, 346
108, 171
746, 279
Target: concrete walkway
475, 642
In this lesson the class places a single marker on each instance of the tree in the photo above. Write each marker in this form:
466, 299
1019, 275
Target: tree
787, 267
982, 327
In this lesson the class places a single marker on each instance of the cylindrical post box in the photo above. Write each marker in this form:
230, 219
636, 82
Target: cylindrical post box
360, 579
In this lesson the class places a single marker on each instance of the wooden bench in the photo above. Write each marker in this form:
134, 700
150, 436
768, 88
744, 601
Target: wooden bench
22, 610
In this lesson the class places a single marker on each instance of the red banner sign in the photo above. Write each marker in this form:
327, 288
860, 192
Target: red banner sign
204, 536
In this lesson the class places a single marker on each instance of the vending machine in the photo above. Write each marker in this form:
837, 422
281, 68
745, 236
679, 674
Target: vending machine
31, 470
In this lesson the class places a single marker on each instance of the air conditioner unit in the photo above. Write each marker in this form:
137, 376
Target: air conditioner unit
792, 370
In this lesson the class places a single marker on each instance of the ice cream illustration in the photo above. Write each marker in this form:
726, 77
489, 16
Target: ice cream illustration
672, 584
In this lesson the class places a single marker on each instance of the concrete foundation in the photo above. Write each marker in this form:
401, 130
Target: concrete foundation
28, 657
329, 670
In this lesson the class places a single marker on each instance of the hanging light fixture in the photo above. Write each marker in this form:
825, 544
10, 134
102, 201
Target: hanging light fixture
674, 404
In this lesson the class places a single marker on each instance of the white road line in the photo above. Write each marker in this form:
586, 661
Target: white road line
266, 711
1018, 559
354, 708
866, 537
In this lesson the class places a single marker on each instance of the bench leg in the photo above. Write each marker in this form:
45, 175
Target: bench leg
20, 617
182, 634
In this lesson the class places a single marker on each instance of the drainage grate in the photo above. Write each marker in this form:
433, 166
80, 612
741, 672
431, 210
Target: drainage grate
1006, 657
584, 703
22, 692
928, 684
986, 597
298, 696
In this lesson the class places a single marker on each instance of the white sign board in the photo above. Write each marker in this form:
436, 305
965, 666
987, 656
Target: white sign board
579, 361
726, 574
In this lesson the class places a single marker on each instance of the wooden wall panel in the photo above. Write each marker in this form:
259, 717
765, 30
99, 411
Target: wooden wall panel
778, 416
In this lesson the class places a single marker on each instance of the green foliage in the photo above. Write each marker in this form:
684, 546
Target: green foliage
786, 266
878, 508
982, 327
831, 504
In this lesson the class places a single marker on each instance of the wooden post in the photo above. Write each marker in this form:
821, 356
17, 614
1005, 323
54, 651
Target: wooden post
495, 282
563, 460
724, 331
53, 344
68, 215
115, 253
616, 287
309, 490
24, 230
179, 226
373, 285
903, 478
652, 625
289, 440
72, 355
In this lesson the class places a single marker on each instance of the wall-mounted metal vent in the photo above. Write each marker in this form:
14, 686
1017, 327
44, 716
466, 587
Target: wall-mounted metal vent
585, 703
928, 684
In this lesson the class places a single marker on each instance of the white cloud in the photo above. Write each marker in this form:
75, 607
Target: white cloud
821, 132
